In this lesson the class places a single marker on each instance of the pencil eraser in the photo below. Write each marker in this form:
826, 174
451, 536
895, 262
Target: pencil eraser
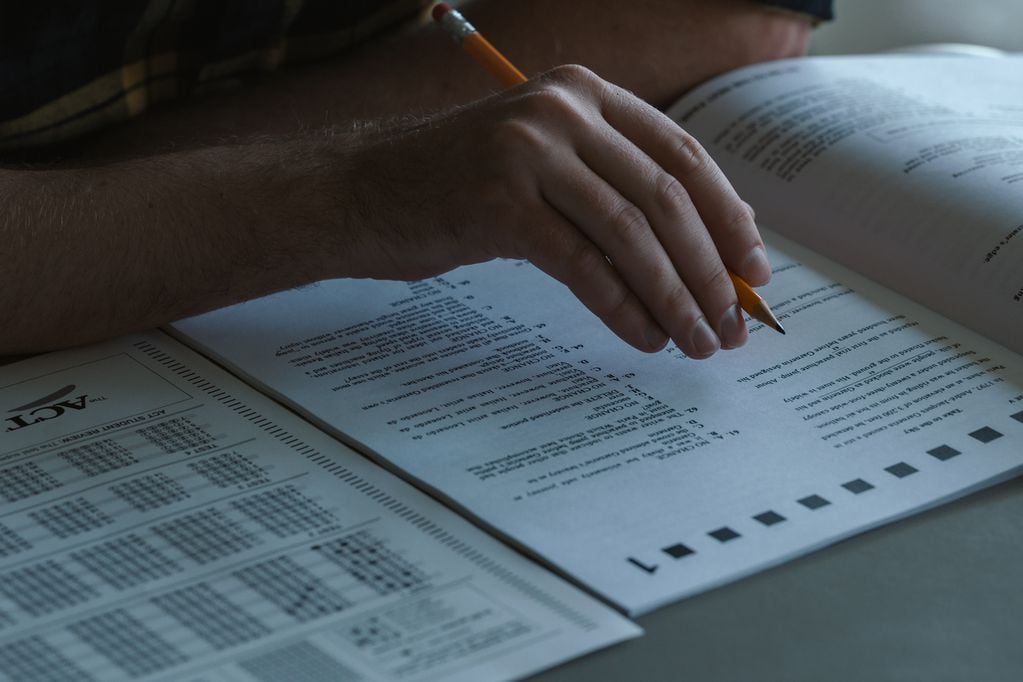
439, 10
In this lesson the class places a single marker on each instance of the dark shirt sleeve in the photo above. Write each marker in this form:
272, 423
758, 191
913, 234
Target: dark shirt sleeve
821, 9
70, 68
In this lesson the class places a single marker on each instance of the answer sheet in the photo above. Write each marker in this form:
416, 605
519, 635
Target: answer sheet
160, 520
645, 477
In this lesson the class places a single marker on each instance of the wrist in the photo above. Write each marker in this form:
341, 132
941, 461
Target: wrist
301, 206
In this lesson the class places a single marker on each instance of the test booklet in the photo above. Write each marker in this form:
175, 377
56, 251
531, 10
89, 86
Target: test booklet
161, 519
890, 191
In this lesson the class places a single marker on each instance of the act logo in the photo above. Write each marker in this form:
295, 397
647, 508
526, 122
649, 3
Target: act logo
46, 408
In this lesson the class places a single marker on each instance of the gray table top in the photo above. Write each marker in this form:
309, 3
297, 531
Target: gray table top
933, 597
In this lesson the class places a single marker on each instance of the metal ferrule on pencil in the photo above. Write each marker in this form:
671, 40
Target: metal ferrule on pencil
457, 26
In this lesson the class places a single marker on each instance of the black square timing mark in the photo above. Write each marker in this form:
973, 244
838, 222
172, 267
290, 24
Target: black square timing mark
769, 518
857, 486
943, 452
677, 551
985, 435
901, 470
723, 534
813, 502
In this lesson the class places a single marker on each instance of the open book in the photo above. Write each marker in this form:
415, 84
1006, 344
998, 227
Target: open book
907, 170
890, 190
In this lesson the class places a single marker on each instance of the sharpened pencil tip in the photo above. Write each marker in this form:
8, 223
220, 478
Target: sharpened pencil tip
762, 313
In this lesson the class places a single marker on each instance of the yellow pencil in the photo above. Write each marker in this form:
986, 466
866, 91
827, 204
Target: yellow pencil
466, 35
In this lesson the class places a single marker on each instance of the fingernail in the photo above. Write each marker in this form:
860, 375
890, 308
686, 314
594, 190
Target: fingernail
704, 340
655, 337
733, 329
755, 268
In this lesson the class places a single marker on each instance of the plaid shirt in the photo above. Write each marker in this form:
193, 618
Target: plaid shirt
68, 68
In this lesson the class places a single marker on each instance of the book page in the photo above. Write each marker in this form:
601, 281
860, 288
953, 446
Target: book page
645, 477
161, 520
908, 170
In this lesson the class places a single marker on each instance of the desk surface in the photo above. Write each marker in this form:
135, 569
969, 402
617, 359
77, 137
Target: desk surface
934, 597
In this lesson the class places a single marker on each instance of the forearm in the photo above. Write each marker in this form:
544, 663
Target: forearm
88, 253
658, 49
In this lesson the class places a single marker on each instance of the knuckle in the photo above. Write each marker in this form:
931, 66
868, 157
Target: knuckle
739, 220
716, 279
669, 194
577, 83
628, 223
552, 103
574, 74
677, 300
691, 153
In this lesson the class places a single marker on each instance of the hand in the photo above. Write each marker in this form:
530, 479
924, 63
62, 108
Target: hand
592, 185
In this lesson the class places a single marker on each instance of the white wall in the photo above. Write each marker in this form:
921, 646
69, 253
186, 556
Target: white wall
873, 25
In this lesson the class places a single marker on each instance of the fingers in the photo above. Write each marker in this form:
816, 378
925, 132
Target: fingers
676, 232
617, 226
560, 250
728, 219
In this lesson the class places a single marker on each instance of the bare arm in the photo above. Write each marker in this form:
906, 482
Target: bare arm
117, 245
94, 251
657, 49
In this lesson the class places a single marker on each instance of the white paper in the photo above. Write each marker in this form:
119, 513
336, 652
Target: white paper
161, 520
909, 170
641, 476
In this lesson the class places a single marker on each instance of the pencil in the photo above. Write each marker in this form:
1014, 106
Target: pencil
466, 35
754, 304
